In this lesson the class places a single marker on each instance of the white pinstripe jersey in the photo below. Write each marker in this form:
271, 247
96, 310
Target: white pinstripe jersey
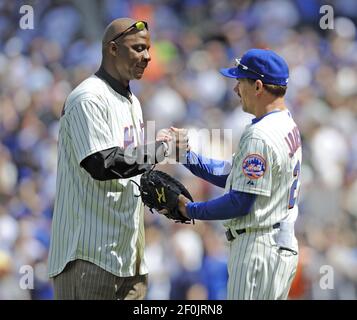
98, 221
267, 164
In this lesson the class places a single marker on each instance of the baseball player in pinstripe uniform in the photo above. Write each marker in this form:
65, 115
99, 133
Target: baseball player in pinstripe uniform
97, 243
261, 186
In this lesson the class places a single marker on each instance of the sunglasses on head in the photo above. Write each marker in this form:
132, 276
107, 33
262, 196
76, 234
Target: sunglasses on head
139, 25
244, 67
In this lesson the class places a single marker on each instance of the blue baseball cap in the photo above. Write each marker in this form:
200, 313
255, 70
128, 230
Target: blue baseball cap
261, 64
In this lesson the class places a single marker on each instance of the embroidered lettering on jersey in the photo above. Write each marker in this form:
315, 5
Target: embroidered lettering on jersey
294, 141
254, 166
128, 136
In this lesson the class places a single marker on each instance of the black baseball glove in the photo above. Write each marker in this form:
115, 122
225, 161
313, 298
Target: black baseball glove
160, 191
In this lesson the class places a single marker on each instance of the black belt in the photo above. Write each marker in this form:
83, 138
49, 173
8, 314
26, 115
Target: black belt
230, 236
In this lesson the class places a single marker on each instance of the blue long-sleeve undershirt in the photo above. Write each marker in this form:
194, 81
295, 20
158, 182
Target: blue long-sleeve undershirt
213, 171
231, 205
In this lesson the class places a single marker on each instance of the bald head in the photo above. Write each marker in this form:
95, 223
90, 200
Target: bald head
126, 58
115, 27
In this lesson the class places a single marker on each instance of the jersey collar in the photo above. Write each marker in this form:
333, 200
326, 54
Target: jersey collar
255, 120
114, 83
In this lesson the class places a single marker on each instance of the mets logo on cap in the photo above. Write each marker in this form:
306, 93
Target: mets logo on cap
254, 166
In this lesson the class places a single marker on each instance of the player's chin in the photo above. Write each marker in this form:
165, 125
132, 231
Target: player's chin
138, 74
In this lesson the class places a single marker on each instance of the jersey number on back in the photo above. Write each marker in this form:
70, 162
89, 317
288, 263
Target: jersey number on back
293, 189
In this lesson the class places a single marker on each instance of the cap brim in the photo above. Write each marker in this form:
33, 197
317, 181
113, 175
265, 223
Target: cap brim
229, 72
235, 73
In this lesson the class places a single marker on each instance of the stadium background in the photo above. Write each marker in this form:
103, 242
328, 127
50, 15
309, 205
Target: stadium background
191, 40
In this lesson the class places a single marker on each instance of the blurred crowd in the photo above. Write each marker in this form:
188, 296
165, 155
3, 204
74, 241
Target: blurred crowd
191, 40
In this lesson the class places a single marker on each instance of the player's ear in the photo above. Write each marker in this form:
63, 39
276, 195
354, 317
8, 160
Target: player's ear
259, 87
113, 49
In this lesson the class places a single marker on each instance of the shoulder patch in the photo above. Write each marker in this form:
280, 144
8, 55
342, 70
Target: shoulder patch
254, 166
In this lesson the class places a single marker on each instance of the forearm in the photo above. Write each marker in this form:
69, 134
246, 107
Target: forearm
213, 171
231, 205
115, 163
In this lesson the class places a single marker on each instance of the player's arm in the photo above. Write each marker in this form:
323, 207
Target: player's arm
123, 163
213, 171
250, 178
231, 205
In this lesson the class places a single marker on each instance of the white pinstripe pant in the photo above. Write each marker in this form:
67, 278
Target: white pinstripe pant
83, 280
258, 269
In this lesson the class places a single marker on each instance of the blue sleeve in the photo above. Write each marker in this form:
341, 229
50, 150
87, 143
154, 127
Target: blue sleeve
231, 205
213, 171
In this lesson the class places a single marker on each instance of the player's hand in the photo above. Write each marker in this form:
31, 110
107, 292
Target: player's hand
164, 135
182, 201
180, 138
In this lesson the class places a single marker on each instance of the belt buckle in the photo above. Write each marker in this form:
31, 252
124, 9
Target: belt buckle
229, 235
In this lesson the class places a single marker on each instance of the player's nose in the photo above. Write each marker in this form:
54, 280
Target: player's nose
147, 56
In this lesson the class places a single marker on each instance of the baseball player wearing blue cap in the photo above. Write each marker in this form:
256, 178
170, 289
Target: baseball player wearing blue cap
260, 204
